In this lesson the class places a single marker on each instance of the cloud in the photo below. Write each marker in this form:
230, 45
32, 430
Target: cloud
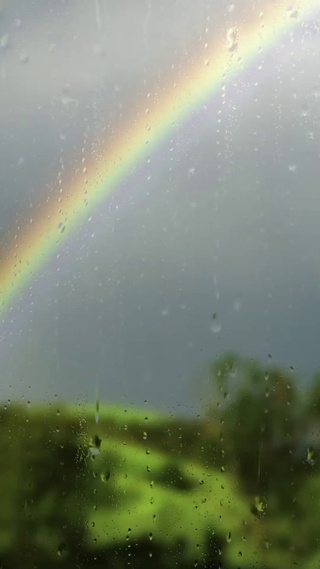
229, 214
56, 51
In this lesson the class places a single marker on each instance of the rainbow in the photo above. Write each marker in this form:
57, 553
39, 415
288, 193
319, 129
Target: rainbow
223, 63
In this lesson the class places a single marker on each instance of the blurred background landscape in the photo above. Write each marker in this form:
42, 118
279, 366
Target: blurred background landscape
105, 486
159, 380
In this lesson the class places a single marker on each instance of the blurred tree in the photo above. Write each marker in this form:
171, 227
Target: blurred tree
312, 402
43, 481
313, 396
258, 410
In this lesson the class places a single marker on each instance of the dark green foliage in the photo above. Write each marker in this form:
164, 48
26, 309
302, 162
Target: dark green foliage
42, 479
156, 491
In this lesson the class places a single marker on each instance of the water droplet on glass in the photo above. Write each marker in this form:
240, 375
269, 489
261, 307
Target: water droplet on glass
216, 327
61, 549
4, 42
67, 100
105, 476
232, 39
96, 413
310, 456
24, 58
292, 12
165, 311
292, 167
94, 446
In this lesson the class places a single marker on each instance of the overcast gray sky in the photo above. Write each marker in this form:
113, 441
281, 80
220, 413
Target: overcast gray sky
225, 218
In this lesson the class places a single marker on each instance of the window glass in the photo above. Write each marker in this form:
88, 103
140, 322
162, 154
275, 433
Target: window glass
159, 284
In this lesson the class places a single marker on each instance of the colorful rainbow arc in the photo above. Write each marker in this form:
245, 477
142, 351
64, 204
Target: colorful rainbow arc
32, 247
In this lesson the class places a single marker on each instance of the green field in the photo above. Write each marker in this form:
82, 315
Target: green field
141, 489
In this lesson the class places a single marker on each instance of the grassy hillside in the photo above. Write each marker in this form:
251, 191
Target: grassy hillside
141, 489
